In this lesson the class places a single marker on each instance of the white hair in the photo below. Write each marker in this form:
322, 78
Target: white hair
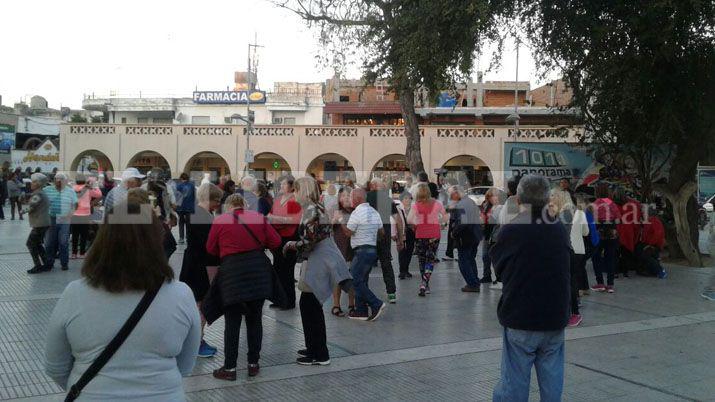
533, 190
248, 181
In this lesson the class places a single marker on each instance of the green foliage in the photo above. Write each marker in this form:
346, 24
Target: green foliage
76, 118
427, 44
643, 73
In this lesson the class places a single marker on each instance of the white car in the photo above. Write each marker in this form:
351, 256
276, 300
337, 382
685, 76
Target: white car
477, 194
708, 205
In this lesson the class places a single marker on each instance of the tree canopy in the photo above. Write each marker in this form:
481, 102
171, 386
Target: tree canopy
414, 45
643, 74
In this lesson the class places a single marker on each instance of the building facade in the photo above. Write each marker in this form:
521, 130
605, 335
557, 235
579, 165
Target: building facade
331, 153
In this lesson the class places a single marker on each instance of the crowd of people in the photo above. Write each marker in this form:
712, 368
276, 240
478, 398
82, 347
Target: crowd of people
242, 245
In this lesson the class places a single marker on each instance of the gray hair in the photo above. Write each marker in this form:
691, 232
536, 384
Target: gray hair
533, 190
207, 192
39, 178
62, 177
250, 181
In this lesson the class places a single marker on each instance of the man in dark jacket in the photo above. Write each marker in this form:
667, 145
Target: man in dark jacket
531, 257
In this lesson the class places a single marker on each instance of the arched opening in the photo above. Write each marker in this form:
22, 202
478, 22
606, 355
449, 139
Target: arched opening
331, 168
31, 144
206, 163
91, 161
391, 168
148, 160
468, 171
269, 167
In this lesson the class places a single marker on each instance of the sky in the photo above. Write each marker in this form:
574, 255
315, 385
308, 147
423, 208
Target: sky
63, 50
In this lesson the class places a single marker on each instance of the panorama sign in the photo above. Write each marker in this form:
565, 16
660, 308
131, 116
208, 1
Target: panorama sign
229, 97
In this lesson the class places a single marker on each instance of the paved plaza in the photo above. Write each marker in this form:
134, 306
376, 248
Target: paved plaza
653, 340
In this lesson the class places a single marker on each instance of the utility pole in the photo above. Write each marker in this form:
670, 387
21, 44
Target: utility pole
514, 117
248, 156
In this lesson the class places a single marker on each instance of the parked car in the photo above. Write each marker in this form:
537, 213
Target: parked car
705, 212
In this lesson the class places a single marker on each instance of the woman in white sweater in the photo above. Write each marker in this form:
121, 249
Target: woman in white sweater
126, 261
574, 219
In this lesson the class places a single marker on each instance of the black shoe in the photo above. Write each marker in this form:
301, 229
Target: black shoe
402, 276
469, 289
408, 275
303, 352
36, 270
486, 279
253, 370
311, 361
65, 268
273, 305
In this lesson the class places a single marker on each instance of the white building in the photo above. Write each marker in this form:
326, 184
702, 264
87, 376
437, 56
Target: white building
290, 103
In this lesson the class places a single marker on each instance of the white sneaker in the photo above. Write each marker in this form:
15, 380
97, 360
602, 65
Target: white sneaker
496, 286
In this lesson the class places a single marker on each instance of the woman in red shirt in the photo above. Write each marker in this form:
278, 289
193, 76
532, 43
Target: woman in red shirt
629, 230
426, 216
243, 282
285, 218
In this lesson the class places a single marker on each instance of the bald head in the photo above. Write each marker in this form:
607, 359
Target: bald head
358, 196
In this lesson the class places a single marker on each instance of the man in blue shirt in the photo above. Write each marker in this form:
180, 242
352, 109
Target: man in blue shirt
185, 203
63, 202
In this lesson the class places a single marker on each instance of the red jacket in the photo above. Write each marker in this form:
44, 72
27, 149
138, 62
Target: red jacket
228, 236
654, 232
629, 230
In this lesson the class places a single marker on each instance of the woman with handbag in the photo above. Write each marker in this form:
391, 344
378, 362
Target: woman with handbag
323, 269
240, 237
90, 342
196, 258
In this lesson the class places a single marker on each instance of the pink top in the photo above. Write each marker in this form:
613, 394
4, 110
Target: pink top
426, 216
84, 199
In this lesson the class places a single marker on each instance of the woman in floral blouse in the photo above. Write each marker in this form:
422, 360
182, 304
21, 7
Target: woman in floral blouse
322, 268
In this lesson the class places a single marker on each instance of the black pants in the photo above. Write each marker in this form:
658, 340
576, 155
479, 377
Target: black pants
169, 242
311, 314
449, 252
576, 264
405, 255
184, 221
285, 267
253, 310
36, 245
384, 255
649, 259
2, 205
627, 260
15, 202
80, 234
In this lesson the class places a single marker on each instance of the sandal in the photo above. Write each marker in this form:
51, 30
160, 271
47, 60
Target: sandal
338, 312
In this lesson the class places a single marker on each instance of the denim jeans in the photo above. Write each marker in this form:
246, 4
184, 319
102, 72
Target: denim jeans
523, 349
467, 260
360, 267
58, 235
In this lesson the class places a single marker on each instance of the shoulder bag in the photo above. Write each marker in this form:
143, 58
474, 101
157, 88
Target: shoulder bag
113, 345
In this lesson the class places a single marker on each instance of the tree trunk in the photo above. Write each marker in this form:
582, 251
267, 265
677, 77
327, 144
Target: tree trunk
413, 153
679, 201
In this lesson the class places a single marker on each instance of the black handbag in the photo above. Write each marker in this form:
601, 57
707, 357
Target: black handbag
113, 345
279, 297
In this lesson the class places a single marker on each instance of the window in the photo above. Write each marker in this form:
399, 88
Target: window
162, 120
143, 120
289, 121
344, 98
200, 120
124, 120
227, 120
277, 120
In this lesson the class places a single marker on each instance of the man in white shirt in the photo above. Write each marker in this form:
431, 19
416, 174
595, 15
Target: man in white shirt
363, 227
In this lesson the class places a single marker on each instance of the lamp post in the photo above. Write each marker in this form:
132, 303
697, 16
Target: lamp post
514, 117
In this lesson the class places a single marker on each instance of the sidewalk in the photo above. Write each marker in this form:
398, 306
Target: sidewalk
651, 340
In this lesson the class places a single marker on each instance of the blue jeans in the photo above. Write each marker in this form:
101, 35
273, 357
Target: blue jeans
360, 267
58, 235
467, 260
523, 349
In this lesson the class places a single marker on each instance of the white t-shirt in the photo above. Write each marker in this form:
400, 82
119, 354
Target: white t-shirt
364, 222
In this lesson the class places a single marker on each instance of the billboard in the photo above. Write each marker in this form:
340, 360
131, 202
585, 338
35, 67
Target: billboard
7, 138
576, 162
229, 97
706, 182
